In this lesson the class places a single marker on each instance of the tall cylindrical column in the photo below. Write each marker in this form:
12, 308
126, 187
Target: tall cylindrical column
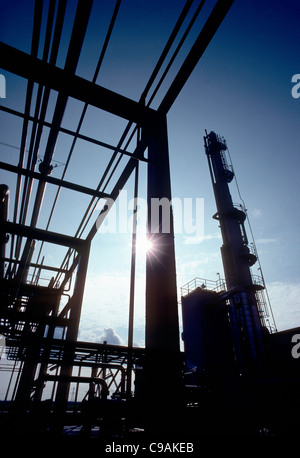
163, 367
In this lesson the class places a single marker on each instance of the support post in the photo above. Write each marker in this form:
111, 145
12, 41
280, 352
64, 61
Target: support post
162, 366
132, 286
71, 336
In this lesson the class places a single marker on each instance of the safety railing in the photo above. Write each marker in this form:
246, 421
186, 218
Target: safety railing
202, 283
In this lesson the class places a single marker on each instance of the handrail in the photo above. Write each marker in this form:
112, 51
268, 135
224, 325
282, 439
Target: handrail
197, 282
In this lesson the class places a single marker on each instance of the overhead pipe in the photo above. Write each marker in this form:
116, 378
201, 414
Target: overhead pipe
38, 11
45, 168
205, 36
42, 104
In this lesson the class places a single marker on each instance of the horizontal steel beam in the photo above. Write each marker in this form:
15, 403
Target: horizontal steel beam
52, 180
37, 266
84, 352
31, 317
48, 75
41, 234
63, 130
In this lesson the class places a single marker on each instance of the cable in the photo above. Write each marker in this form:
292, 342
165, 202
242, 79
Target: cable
253, 241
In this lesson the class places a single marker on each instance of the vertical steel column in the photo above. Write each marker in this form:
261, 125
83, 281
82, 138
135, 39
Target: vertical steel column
162, 367
55, 300
132, 285
63, 387
4, 203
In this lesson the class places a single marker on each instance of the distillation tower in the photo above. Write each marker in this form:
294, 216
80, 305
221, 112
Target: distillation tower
237, 309
236, 362
246, 311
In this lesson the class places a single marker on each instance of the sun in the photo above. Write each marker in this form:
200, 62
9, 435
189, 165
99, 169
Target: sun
144, 245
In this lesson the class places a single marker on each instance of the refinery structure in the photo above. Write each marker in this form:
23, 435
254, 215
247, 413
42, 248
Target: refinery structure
54, 381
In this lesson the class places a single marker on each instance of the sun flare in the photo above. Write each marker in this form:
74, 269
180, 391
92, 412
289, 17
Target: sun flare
144, 245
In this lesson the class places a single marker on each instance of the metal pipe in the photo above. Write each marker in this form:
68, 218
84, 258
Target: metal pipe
132, 285
40, 109
34, 50
56, 181
196, 14
167, 48
76, 42
72, 332
4, 206
211, 26
69, 132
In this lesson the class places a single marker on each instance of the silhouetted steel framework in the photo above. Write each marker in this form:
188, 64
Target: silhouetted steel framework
31, 313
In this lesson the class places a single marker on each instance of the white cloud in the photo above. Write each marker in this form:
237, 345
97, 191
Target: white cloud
285, 303
111, 337
264, 240
106, 307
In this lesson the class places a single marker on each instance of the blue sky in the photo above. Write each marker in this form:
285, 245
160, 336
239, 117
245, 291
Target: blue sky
241, 89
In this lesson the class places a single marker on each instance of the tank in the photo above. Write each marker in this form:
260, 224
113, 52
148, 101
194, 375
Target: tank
206, 335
